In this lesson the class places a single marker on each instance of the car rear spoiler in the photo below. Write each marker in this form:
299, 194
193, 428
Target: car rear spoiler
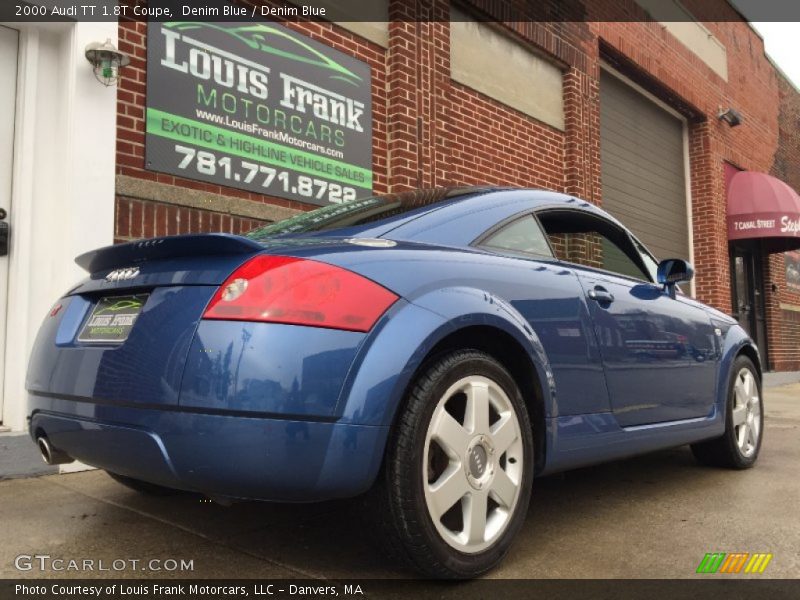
132, 253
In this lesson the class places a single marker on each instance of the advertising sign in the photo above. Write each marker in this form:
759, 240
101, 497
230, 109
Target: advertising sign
259, 107
793, 270
112, 319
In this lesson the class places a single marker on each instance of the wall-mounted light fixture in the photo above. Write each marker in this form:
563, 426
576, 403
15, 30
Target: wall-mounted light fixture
730, 116
106, 61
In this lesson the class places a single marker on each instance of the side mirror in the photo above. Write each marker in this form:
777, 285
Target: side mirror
672, 271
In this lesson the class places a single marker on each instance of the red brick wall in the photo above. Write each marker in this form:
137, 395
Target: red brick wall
786, 165
784, 324
143, 218
490, 143
429, 130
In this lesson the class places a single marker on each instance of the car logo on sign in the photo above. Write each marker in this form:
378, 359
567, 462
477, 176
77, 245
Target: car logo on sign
122, 274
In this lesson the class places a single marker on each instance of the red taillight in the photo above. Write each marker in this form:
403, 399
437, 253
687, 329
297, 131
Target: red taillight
282, 289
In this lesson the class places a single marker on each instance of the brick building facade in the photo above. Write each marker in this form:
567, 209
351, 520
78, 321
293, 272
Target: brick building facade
430, 129
784, 309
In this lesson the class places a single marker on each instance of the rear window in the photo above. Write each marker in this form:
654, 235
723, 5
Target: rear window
358, 212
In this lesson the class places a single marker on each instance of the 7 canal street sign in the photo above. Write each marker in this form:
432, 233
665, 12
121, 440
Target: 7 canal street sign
259, 107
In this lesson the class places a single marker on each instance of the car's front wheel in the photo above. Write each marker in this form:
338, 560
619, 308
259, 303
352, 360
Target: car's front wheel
739, 446
459, 467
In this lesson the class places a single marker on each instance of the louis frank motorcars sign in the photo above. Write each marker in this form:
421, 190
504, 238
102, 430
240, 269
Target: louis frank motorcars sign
259, 107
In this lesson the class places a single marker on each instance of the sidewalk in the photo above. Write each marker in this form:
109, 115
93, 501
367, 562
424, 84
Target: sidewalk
777, 378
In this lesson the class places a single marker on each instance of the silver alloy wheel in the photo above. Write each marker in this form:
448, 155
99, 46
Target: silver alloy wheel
746, 413
480, 464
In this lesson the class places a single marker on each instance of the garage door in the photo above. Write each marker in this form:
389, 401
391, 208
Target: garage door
642, 163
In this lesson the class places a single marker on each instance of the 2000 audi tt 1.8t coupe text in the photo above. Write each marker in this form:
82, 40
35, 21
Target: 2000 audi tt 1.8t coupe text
437, 349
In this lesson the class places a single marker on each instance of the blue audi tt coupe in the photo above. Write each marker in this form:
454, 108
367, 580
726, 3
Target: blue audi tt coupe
436, 349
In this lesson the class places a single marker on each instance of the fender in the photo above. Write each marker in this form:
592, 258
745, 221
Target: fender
397, 347
734, 339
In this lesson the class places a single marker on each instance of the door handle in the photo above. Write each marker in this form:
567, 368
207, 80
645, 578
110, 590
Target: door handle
601, 295
4, 233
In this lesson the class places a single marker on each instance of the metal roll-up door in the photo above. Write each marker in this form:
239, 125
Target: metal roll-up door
642, 167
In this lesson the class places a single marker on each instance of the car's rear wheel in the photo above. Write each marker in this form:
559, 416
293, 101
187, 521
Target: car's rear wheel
739, 446
459, 467
144, 487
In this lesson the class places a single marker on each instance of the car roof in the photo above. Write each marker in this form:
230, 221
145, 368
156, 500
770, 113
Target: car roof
460, 219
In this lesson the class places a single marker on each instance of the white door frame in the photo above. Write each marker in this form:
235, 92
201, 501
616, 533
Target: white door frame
63, 183
6, 175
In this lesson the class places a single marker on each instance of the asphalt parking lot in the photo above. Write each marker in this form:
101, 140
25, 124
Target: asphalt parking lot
650, 517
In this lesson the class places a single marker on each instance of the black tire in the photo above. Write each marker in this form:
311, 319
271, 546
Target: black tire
725, 451
145, 487
398, 502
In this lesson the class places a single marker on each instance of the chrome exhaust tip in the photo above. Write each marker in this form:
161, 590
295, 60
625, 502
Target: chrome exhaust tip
50, 455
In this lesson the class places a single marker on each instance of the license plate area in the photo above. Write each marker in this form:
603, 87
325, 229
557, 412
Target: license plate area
112, 319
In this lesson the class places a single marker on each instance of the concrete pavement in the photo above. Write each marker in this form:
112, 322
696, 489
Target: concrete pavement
650, 517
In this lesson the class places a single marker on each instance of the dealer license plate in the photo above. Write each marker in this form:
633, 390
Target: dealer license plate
112, 319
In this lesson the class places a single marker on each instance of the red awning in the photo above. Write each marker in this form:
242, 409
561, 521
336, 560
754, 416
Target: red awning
761, 206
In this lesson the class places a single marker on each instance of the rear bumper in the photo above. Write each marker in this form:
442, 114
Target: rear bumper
216, 454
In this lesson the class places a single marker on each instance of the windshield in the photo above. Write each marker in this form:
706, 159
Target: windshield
358, 212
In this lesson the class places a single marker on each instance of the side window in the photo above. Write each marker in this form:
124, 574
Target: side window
589, 240
523, 236
649, 262
616, 261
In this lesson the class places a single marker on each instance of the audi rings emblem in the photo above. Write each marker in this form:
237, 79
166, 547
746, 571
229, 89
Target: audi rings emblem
122, 274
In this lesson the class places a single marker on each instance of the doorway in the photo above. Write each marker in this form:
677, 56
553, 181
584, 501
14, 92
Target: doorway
747, 292
9, 51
